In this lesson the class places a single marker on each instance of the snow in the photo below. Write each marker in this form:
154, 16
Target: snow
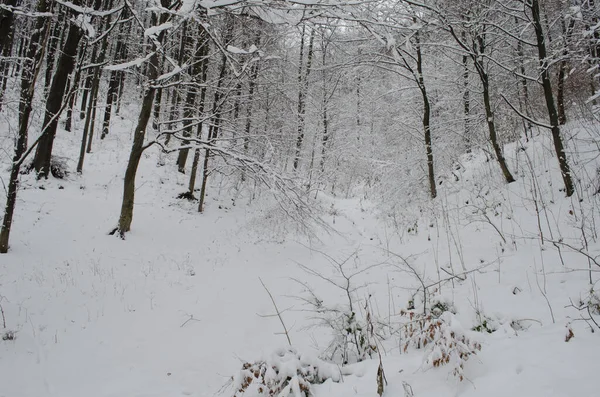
172, 73
154, 31
84, 22
236, 50
178, 306
129, 64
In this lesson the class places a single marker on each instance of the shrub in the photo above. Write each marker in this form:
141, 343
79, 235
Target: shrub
442, 337
285, 373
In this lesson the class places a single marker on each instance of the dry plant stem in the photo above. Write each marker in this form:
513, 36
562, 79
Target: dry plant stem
579, 250
3, 316
278, 313
543, 290
191, 318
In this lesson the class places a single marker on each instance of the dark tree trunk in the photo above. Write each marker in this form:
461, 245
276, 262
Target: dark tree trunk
190, 97
73, 83
29, 76
6, 44
549, 97
53, 42
90, 122
426, 119
466, 101
213, 130
562, 68
6, 26
111, 95
113, 82
487, 104
524, 91
66, 63
303, 74
202, 79
489, 114
137, 147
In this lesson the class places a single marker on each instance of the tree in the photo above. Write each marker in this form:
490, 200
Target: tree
54, 102
29, 75
137, 148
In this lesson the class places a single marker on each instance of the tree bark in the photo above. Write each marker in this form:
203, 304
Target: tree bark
66, 63
29, 77
303, 74
6, 43
549, 98
426, 119
562, 68
476, 57
137, 147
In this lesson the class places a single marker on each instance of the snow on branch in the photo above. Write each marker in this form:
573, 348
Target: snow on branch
154, 31
127, 65
236, 50
21, 11
83, 22
88, 10
290, 198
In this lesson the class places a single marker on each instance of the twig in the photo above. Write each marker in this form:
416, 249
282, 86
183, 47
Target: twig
287, 335
188, 320
3, 316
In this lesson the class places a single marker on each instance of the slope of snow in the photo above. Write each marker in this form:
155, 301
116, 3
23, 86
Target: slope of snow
177, 307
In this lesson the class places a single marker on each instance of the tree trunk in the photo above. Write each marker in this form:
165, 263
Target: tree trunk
190, 97
53, 43
489, 112
113, 83
29, 77
66, 63
489, 115
549, 97
74, 82
426, 119
303, 74
213, 130
6, 43
524, 91
137, 147
203, 76
562, 68
466, 101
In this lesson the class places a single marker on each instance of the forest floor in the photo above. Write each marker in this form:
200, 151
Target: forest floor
178, 307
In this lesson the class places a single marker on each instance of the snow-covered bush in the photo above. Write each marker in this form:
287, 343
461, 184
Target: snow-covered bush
353, 335
445, 342
354, 328
285, 373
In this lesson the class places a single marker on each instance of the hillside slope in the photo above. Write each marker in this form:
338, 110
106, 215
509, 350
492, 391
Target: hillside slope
178, 307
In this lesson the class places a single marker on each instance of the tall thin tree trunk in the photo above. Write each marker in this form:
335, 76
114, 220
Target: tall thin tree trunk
524, 90
113, 82
202, 79
31, 70
549, 97
303, 85
53, 43
426, 119
137, 147
466, 101
213, 130
562, 68
66, 63
489, 112
6, 43
74, 82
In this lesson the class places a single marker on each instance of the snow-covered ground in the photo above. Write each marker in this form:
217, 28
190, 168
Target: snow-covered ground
178, 307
